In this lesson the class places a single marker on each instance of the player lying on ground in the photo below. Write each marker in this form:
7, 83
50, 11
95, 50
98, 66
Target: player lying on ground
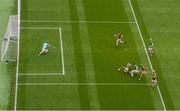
150, 48
154, 79
45, 47
133, 69
125, 69
119, 39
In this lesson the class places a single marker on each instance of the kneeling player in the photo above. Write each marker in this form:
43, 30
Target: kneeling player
44, 49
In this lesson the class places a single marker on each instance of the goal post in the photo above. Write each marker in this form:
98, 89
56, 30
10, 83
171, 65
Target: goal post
9, 41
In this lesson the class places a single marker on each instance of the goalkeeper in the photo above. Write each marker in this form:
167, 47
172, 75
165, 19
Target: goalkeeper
45, 47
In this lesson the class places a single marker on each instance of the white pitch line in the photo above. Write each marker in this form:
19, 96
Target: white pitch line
98, 84
40, 28
95, 22
62, 51
146, 51
40, 74
17, 67
60, 36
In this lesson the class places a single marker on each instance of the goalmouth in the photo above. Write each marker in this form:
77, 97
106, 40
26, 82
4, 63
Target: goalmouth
10, 39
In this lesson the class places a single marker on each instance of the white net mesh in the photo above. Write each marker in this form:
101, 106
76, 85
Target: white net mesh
9, 50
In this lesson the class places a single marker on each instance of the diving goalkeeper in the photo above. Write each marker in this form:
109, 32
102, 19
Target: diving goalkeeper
44, 49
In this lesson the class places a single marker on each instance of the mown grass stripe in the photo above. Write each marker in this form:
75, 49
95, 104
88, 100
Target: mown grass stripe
160, 95
140, 49
147, 27
79, 60
87, 54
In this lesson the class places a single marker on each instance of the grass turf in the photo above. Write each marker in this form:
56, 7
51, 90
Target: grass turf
90, 57
164, 32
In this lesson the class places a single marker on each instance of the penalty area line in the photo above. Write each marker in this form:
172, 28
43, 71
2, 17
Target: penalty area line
83, 84
62, 51
40, 74
92, 22
61, 41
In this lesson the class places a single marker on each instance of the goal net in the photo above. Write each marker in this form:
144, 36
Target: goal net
9, 42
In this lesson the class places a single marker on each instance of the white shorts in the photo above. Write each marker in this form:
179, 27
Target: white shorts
150, 49
44, 50
143, 72
154, 82
119, 41
126, 70
135, 71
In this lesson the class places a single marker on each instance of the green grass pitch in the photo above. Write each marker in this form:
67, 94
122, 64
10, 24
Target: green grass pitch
80, 72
